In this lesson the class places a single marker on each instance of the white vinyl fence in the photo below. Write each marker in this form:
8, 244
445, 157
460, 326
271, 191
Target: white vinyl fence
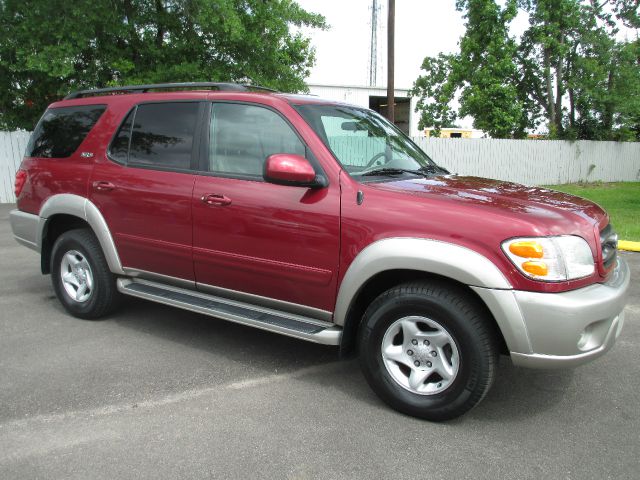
532, 162
12, 148
537, 162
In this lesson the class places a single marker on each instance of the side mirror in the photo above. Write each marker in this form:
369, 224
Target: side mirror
290, 169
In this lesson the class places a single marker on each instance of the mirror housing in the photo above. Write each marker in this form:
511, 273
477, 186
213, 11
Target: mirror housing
291, 169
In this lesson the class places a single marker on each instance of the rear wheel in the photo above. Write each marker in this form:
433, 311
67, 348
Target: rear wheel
428, 350
81, 277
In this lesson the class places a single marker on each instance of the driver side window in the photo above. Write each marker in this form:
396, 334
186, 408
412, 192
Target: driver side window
241, 137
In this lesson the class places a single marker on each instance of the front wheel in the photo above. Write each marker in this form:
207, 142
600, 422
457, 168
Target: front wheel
428, 350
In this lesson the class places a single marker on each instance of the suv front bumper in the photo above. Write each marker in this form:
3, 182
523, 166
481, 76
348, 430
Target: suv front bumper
561, 330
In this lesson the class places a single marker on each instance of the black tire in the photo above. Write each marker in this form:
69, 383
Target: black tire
103, 296
461, 317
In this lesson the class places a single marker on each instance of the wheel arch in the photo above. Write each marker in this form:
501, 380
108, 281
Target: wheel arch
391, 262
64, 212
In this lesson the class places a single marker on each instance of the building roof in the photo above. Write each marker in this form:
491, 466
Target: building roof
357, 87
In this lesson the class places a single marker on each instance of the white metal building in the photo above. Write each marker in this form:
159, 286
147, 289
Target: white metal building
374, 98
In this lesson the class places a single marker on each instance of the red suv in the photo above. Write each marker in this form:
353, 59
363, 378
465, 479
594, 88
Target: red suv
321, 221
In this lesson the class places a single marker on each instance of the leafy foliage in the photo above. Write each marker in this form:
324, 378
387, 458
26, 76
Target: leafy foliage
567, 70
50, 47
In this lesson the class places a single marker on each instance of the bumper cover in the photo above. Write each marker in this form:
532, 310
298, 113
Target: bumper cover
25, 227
561, 330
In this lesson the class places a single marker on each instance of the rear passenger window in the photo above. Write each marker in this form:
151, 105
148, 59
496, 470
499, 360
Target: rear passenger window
60, 131
243, 136
162, 135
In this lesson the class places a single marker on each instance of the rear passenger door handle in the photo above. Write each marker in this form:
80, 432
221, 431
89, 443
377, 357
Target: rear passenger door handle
216, 200
103, 186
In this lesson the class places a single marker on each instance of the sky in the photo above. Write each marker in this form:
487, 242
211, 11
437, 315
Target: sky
423, 28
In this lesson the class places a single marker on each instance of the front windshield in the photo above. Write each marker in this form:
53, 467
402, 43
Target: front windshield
365, 143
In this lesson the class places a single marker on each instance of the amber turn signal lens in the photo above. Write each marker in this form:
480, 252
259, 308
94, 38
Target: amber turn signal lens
526, 249
536, 268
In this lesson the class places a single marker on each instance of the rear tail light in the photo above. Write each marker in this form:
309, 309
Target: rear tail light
21, 178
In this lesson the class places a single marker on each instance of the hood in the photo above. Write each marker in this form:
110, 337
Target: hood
560, 213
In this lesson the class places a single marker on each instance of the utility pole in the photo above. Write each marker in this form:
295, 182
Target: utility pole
391, 21
373, 60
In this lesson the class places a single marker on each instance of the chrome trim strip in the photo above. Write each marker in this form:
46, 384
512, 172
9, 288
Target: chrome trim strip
250, 306
330, 335
267, 302
25, 228
158, 277
432, 256
283, 270
248, 298
70, 204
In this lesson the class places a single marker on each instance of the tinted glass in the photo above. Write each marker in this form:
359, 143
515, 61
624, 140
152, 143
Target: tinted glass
243, 136
60, 131
119, 149
363, 141
162, 135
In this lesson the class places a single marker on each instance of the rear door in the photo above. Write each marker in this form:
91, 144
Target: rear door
250, 236
145, 185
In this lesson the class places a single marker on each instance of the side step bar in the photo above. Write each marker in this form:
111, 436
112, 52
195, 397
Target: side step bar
272, 320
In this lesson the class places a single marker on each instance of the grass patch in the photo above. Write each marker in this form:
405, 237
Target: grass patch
621, 200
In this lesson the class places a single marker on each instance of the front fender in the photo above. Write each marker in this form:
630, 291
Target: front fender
432, 256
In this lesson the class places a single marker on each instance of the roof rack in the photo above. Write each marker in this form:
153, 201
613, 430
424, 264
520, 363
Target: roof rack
222, 86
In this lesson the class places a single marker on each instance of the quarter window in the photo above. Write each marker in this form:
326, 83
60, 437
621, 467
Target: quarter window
60, 131
243, 136
119, 150
162, 135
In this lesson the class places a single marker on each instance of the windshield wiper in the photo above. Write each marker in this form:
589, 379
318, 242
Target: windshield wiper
434, 169
390, 171
425, 171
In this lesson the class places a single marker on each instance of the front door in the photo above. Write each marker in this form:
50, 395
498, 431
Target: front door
280, 242
144, 188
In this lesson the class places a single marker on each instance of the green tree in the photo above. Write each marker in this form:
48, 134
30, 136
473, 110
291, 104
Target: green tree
567, 71
50, 47
573, 68
435, 91
483, 75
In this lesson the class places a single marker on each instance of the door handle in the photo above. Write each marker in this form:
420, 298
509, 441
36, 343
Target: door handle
103, 186
215, 199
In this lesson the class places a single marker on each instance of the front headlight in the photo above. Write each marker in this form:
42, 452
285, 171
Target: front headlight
551, 259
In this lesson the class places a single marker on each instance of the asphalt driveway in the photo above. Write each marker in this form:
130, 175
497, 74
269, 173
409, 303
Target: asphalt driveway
155, 392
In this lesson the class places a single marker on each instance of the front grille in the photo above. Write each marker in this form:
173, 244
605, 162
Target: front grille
609, 245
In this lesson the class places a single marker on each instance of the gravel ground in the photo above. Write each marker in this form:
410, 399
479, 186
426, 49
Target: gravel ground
155, 392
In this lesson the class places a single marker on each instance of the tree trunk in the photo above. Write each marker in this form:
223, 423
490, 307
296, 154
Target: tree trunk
559, 90
607, 120
134, 41
160, 25
550, 104
572, 109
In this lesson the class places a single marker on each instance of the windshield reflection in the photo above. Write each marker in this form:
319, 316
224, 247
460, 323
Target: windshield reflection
365, 143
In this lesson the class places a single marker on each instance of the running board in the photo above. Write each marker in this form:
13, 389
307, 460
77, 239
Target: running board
269, 319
